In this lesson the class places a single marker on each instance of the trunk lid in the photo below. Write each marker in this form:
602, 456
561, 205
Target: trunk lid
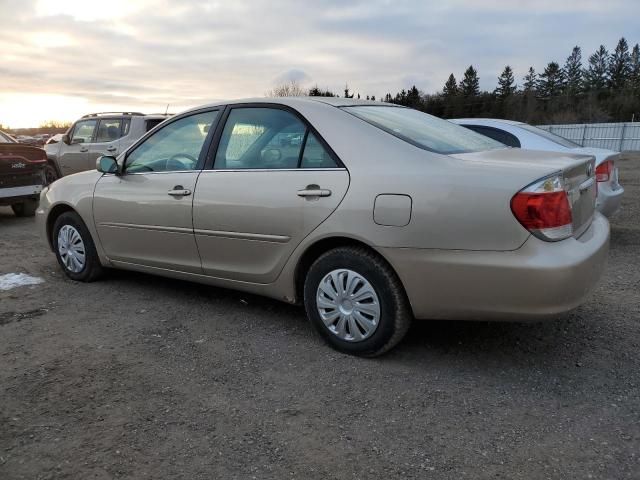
578, 172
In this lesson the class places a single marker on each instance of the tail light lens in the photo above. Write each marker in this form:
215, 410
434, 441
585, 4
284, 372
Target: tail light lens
603, 171
543, 208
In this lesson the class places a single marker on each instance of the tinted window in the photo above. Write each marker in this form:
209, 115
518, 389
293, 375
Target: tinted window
108, 130
260, 138
152, 123
315, 155
175, 147
549, 136
497, 134
423, 130
83, 131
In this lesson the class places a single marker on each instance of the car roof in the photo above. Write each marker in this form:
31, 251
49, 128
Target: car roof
485, 121
298, 101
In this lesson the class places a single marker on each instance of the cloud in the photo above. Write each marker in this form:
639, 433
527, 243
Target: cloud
145, 54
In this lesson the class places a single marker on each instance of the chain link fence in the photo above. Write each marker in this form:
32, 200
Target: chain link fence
614, 136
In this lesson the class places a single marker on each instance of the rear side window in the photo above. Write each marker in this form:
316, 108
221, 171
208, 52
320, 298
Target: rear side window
423, 130
109, 130
497, 134
269, 138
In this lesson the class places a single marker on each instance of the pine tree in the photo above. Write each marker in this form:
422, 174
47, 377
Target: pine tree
506, 83
346, 92
597, 75
634, 75
413, 97
470, 84
530, 81
551, 81
450, 87
573, 72
619, 66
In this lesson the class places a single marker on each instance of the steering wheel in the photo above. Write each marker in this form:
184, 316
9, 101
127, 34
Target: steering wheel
173, 163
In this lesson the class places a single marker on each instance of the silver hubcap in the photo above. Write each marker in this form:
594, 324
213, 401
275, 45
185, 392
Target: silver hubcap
71, 248
348, 305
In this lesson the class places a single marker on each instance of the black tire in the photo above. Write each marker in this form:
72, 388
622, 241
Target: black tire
92, 268
50, 173
395, 311
26, 208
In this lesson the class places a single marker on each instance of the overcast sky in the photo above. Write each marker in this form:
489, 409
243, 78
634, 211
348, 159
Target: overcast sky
63, 58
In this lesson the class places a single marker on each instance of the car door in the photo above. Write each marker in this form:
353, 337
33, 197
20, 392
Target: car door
143, 216
272, 181
107, 140
74, 156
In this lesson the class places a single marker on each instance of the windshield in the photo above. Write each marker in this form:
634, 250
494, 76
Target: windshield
550, 136
4, 138
423, 130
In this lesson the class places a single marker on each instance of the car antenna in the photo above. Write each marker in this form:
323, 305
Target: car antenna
167, 109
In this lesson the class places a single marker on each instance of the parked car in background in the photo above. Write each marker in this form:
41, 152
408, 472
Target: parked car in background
522, 135
369, 213
94, 135
21, 175
28, 140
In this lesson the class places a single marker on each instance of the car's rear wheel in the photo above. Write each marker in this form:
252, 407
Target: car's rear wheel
26, 208
356, 302
50, 173
74, 248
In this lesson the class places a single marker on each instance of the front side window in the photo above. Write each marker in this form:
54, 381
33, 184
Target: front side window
423, 130
108, 130
83, 131
175, 147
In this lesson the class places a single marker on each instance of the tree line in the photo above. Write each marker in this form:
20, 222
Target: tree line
605, 88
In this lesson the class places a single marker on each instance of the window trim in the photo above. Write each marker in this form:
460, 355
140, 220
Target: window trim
203, 151
213, 147
495, 129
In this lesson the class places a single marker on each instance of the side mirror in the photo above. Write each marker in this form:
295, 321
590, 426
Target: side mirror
66, 139
107, 164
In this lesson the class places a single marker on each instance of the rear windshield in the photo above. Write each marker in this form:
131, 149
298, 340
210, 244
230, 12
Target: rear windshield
423, 130
4, 138
550, 136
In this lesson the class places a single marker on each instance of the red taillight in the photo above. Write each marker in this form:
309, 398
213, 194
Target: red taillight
603, 171
543, 208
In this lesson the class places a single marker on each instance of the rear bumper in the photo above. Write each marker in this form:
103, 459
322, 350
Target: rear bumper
537, 281
17, 192
608, 200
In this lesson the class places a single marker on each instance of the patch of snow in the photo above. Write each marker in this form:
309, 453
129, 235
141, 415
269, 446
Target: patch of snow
14, 280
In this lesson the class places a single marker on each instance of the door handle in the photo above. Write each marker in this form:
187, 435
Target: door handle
179, 191
314, 192
111, 149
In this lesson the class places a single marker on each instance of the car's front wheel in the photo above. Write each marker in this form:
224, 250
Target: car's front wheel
356, 301
74, 248
50, 173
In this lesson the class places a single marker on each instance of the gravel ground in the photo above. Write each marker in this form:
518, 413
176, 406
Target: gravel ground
144, 377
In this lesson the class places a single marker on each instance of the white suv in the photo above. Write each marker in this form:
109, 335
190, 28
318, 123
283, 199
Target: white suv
94, 135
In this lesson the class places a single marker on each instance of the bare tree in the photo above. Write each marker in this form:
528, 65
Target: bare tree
290, 89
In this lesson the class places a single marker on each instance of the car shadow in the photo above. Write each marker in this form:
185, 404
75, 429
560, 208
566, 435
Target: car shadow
477, 342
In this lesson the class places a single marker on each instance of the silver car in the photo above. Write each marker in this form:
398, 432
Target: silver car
369, 214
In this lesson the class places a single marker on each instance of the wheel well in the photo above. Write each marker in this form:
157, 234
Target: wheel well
54, 164
53, 215
316, 250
